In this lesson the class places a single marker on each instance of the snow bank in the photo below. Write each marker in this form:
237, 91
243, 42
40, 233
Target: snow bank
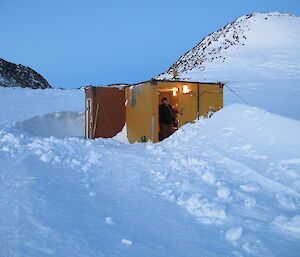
56, 124
18, 104
239, 171
264, 142
250, 132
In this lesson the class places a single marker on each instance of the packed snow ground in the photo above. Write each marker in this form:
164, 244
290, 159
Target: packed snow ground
227, 186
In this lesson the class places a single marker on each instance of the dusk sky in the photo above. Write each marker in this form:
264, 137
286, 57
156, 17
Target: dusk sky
80, 43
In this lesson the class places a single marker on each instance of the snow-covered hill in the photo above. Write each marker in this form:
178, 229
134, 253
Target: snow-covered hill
257, 54
228, 186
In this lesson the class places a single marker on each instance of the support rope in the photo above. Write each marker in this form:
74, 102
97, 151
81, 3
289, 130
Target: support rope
236, 94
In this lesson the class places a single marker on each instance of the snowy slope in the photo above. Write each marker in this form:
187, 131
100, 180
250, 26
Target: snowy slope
228, 186
257, 54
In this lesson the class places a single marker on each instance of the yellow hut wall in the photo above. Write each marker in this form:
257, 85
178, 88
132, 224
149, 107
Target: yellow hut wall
140, 113
210, 97
188, 104
142, 117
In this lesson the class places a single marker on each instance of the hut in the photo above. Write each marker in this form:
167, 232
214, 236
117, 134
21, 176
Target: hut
135, 108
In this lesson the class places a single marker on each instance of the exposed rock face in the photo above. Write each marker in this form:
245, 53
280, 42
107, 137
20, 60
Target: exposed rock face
17, 75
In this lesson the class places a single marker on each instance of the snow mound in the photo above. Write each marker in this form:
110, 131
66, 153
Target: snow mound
18, 104
56, 124
122, 136
261, 141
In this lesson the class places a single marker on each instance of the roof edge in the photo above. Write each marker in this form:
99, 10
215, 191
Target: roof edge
124, 85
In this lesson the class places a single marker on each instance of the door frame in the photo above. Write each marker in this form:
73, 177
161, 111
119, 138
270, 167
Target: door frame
88, 118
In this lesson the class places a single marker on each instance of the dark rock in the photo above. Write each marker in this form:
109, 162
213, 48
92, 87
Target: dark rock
17, 75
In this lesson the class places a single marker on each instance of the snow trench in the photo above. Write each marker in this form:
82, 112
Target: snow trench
56, 124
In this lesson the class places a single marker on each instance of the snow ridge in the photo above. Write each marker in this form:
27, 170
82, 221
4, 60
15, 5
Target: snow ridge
217, 45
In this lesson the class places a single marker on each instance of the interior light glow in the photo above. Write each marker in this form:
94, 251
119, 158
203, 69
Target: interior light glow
174, 90
185, 89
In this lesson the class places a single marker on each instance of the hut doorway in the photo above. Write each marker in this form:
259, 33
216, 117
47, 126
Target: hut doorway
171, 94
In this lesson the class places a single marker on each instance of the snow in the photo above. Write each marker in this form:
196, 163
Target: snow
57, 124
108, 220
19, 104
122, 136
234, 234
223, 192
256, 56
126, 241
226, 186
292, 224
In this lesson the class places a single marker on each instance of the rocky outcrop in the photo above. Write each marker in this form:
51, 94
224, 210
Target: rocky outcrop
17, 75
242, 40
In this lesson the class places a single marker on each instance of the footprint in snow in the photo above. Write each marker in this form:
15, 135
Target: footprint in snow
250, 201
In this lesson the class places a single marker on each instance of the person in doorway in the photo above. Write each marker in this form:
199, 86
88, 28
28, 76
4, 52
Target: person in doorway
166, 119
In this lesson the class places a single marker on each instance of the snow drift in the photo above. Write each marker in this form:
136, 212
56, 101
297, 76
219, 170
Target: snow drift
18, 104
57, 124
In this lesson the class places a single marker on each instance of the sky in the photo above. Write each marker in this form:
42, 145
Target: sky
74, 43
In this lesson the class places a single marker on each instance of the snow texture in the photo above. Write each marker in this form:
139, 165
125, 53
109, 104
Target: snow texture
256, 55
227, 186
224, 186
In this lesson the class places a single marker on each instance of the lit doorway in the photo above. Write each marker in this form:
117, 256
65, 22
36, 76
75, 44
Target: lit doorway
172, 96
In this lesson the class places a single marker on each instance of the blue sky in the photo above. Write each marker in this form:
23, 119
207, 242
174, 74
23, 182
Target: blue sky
79, 43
